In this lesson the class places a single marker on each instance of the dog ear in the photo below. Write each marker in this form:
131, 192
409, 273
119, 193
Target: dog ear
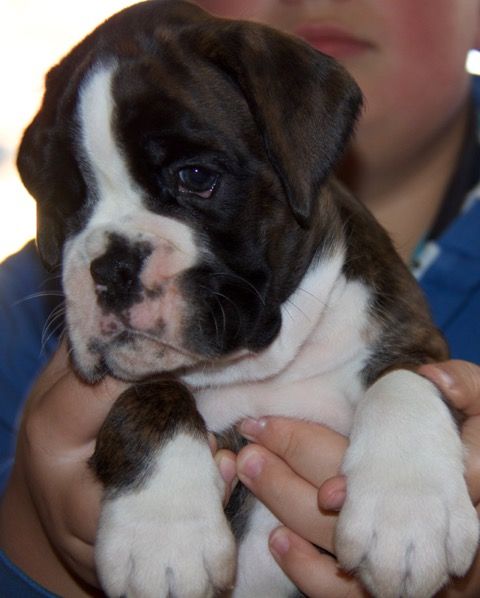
303, 101
49, 170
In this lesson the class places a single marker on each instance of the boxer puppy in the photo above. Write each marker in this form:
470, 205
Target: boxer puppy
182, 168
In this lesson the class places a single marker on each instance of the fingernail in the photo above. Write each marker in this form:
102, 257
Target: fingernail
228, 469
252, 428
212, 443
251, 467
279, 542
440, 376
447, 379
336, 500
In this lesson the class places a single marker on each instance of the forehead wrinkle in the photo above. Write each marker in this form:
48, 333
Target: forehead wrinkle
177, 87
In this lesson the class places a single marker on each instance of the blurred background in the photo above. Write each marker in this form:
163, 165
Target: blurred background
34, 34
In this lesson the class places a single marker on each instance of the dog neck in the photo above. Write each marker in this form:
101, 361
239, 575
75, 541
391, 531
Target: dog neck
303, 317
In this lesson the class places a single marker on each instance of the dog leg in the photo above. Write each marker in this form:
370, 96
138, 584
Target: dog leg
162, 528
408, 522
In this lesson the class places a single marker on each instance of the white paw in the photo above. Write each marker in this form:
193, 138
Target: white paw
169, 538
407, 542
155, 558
408, 523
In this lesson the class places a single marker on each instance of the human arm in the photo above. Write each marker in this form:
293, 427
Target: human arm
49, 512
459, 382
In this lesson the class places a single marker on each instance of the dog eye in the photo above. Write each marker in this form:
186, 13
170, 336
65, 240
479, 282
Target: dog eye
197, 180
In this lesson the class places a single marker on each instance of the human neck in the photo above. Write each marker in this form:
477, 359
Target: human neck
406, 197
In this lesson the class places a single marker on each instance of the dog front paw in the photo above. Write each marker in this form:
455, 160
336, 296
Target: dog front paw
407, 542
190, 555
170, 536
408, 523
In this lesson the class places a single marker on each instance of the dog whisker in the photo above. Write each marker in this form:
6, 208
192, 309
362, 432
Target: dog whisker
217, 330
61, 336
312, 295
53, 332
224, 317
38, 295
239, 315
290, 302
245, 281
287, 311
57, 312
55, 322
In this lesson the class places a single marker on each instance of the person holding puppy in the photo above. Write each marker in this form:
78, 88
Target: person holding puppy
413, 162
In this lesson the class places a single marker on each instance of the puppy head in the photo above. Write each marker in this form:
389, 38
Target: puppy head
177, 161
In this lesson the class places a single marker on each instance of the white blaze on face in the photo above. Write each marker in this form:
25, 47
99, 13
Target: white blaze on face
118, 208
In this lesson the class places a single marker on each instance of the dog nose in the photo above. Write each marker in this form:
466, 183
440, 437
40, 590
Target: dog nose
116, 272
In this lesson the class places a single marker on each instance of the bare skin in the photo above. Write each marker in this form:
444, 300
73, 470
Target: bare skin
49, 513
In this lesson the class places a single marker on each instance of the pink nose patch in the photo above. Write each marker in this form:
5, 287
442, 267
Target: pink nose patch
109, 326
163, 263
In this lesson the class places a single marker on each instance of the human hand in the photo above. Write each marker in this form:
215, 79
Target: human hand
459, 382
284, 466
290, 482
49, 514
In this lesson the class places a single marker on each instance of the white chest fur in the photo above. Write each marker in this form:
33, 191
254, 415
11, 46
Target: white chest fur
310, 371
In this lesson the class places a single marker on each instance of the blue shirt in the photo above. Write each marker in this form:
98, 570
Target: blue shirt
27, 298
450, 277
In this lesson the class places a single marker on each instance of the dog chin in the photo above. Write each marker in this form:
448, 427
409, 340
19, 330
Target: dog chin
136, 360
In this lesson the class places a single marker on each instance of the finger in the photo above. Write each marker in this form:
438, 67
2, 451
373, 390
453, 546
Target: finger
332, 493
313, 451
459, 382
316, 575
66, 498
64, 490
80, 501
80, 558
291, 499
226, 463
212, 443
471, 438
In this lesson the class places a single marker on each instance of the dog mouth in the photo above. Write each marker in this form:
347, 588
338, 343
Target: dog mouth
133, 355
202, 315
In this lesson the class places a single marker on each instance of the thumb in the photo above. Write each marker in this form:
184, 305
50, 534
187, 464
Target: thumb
459, 382
332, 493
227, 465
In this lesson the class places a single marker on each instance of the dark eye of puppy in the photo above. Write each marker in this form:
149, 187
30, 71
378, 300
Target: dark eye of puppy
197, 180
